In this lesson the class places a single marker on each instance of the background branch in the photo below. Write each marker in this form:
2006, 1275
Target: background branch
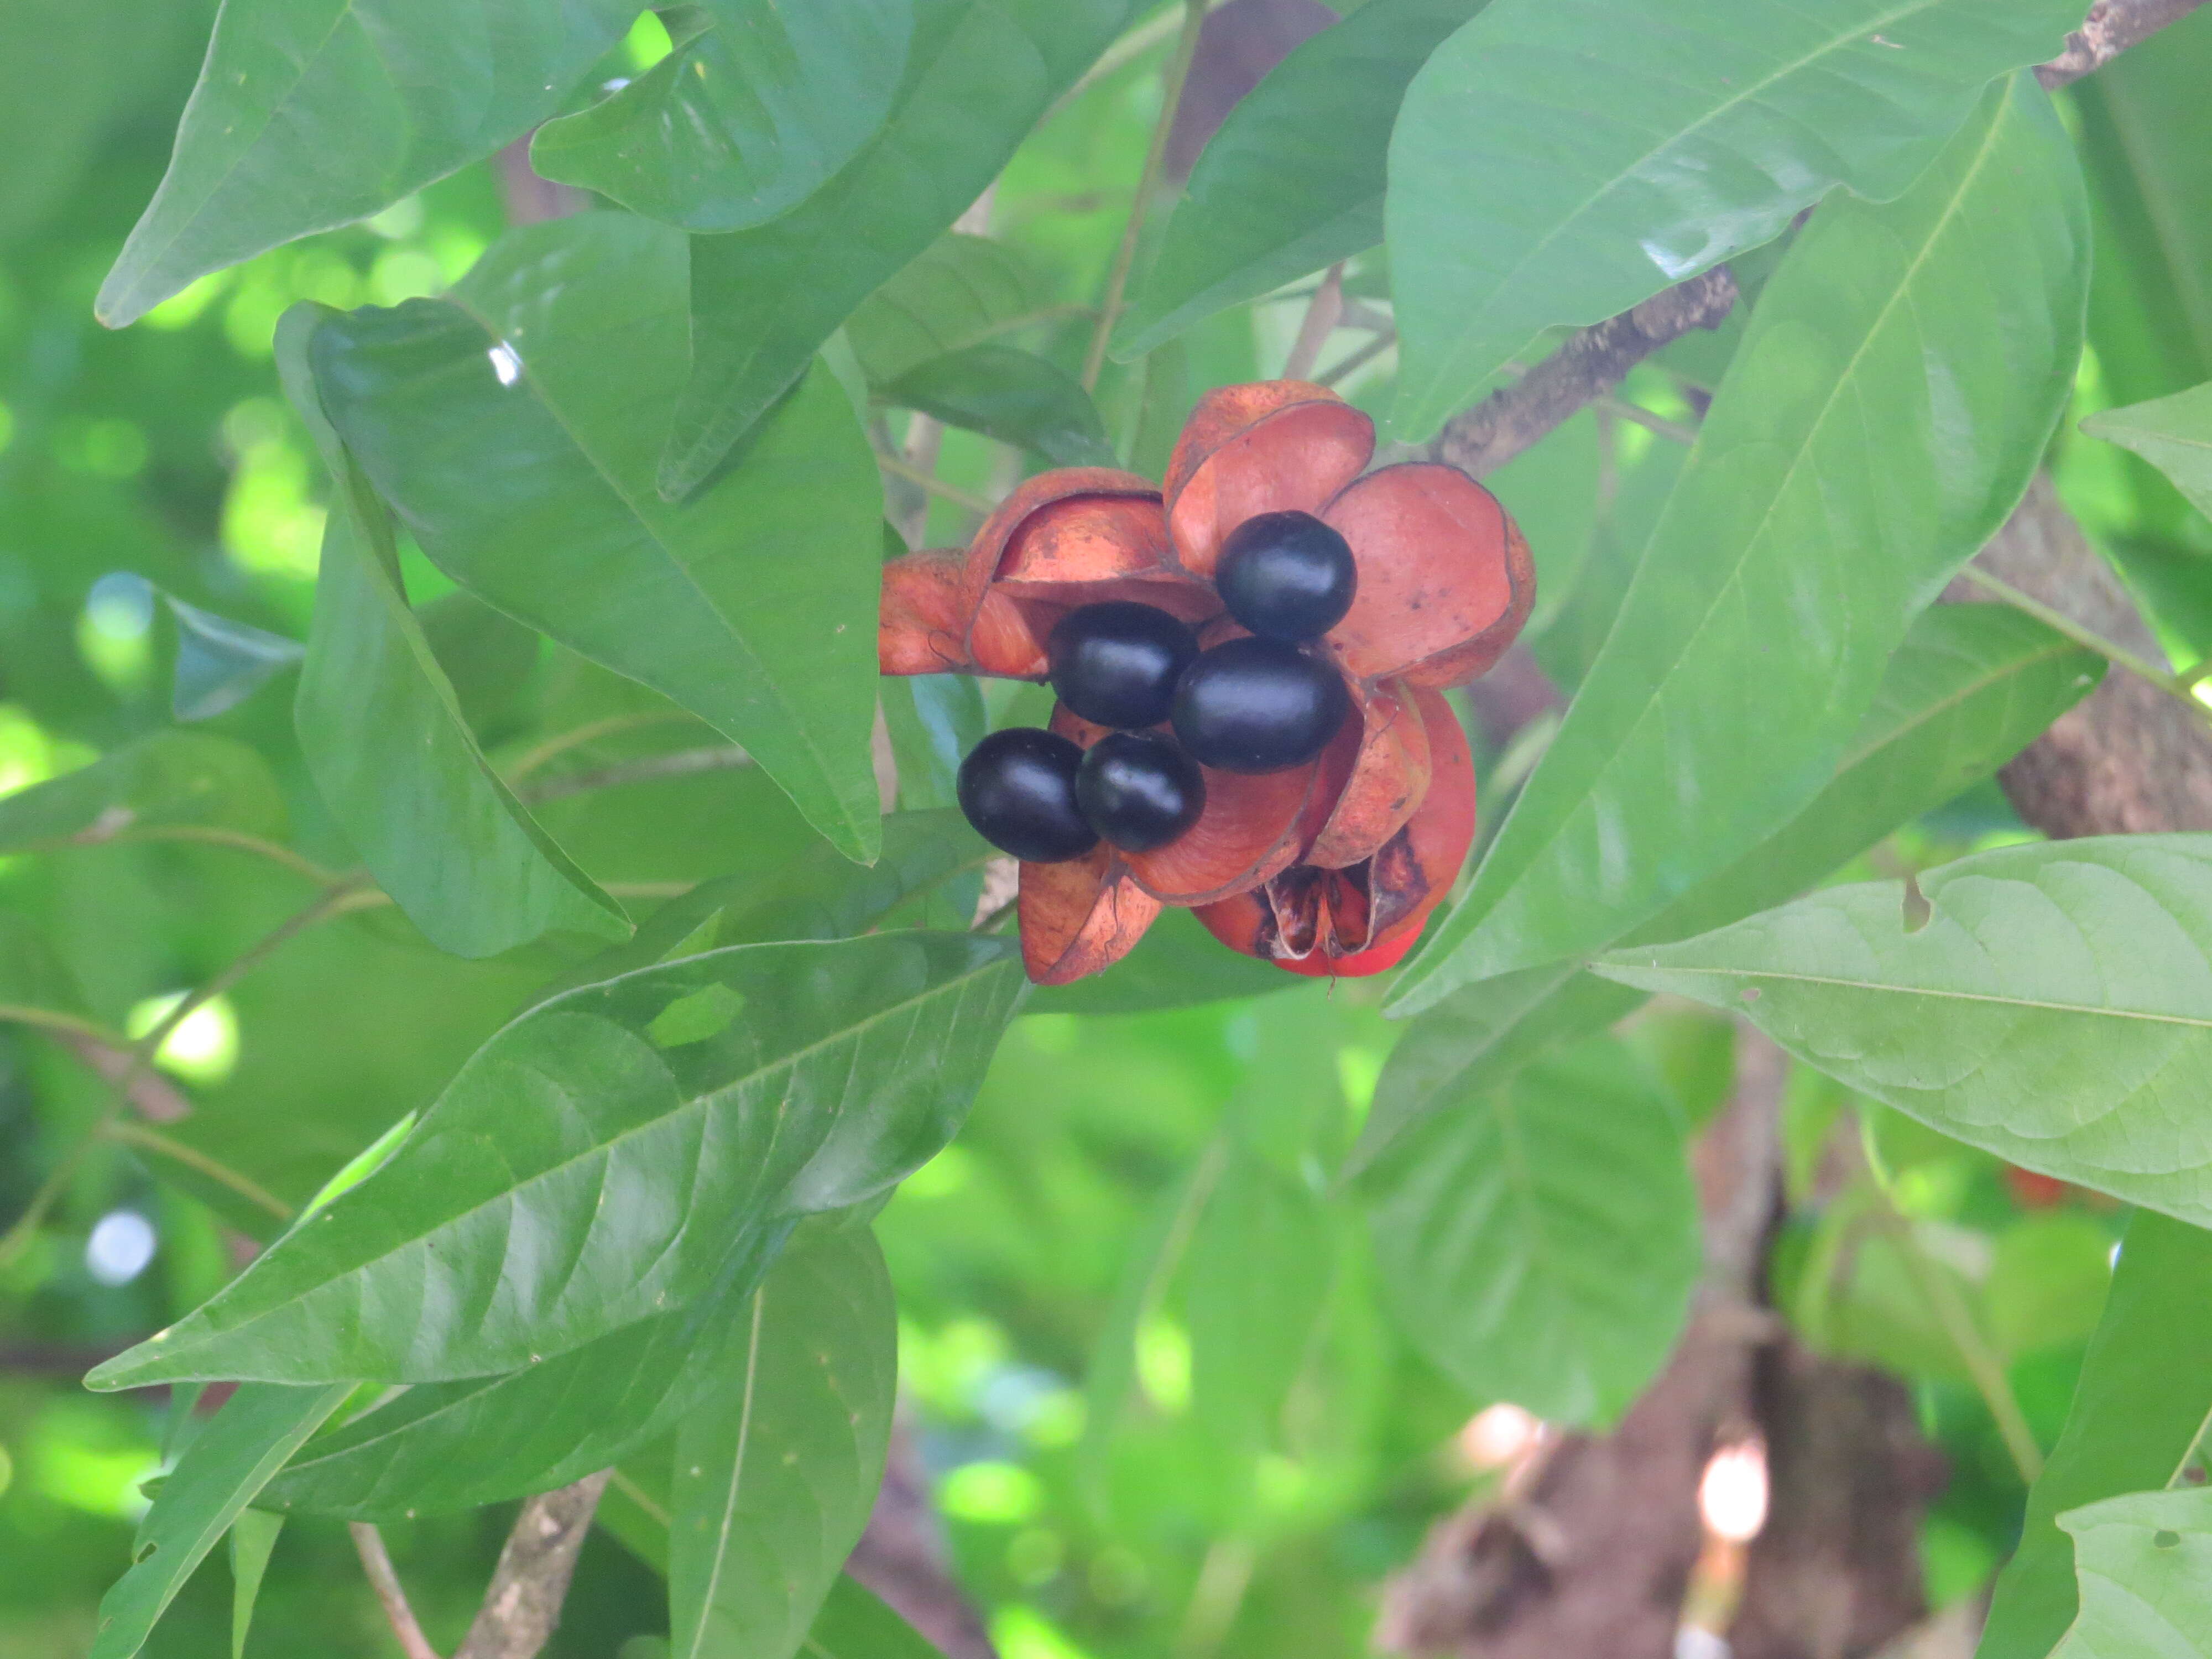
523, 1605
2110, 28
384, 1578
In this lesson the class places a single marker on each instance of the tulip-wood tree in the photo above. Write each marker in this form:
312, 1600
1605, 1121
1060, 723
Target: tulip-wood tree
1092, 829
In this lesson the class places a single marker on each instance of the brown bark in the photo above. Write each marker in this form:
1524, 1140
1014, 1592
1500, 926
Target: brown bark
1590, 364
522, 1608
1593, 1557
2110, 28
1835, 1573
2130, 758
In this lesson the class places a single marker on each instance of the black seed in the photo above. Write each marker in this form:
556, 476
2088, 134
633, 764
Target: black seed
1117, 662
1139, 791
1286, 575
1258, 706
1017, 788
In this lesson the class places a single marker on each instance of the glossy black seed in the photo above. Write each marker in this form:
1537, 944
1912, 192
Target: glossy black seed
1139, 791
1017, 788
1117, 662
1259, 705
1286, 575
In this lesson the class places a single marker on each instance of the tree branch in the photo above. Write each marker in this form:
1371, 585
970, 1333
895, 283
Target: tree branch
2129, 759
902, 1558
1588, 366
2110, 28
522, 1607
384, 1578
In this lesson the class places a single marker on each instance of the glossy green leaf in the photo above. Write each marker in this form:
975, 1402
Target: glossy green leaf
1557, 163
2144, 1565
606, 1156
979, 74
855, 1623
2174, 434
775, 1473
513, 428
252, 1538
1014, 396
1261, 1257
385, 740
2055, 1008
2144, 1395
1539, 1242
1892, 398
744, 120
190, 780
445, 1446
220, 662
1294, 180
960, 291
1970, 686
1474, 1041
217, 1476
312, 113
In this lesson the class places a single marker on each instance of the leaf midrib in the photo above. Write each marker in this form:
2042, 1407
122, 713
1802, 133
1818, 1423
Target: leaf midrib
1758, 536
1888, 988
687, 1105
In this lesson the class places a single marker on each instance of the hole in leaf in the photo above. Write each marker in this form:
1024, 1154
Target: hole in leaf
2163, 1539
1917, 906
1751, 993
145, 1552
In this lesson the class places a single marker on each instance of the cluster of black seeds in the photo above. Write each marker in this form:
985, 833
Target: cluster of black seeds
1261, 704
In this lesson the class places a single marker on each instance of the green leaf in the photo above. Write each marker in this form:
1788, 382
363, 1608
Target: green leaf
2144, 1564
444, 1446
979, 74
2144, 1395
252, 1537
217, 1476
1475, 1041
1014, 396
1293, 180
743, 121
776, 1475
1539, 1242
2046, 1286
1557, 163
2174, 434
606, 1156
171, 780
855, 1623
221, 663
312, 113
1970, 686
1928, 345
1261, 1262
961, 291
934, 720
385, 738
36, 986
513, 428
2054, 1008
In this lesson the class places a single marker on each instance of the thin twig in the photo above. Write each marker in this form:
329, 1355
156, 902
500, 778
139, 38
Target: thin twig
124, 833
898, 467
384, 1578
1125, 256
683, 763
2058, 621
334, 901
1324, 313
124, 1133
1672, 431
1152, 32
1359, 359
2110, 28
